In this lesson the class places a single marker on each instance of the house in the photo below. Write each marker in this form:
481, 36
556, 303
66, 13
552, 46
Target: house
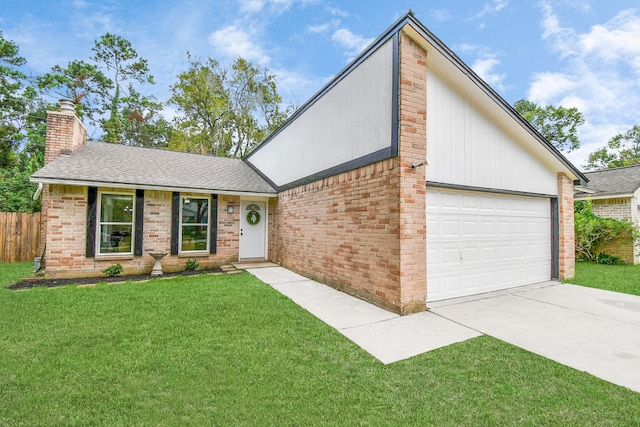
615, 193
405, 180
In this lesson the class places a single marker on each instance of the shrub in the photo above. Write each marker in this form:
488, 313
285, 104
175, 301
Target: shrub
593, 232
113, 270
609, 259
191, 265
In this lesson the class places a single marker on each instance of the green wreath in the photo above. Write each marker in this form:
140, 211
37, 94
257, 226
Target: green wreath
253, 217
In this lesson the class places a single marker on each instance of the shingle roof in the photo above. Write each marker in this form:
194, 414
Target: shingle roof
115, 164
625, 180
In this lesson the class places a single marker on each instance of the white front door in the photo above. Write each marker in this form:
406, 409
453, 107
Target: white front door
253, 227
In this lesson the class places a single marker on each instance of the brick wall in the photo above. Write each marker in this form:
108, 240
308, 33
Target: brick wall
66, 239
412, 149
566, 230
619, 208
65, 134
345, 231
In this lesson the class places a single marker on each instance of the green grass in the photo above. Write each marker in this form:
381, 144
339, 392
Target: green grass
13, 272
229, 350
618, 278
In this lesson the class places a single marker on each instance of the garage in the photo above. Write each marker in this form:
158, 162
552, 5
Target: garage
480, 242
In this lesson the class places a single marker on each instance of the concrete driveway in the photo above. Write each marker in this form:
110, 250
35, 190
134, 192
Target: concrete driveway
587, 329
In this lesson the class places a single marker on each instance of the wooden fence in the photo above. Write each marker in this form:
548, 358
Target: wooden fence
19, 236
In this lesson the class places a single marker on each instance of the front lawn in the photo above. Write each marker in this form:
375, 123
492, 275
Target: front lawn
618, 278
229, 350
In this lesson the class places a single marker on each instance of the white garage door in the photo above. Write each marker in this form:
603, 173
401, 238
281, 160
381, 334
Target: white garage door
481, 242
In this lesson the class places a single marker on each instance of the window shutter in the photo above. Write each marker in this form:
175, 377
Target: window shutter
139, 222
213, 223
175, 222
92, 199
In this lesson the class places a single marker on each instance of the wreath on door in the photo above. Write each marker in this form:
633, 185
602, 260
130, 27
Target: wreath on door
253, 217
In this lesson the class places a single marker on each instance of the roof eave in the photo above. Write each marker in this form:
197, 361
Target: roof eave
85, 183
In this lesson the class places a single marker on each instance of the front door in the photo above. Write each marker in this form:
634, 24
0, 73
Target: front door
253, 221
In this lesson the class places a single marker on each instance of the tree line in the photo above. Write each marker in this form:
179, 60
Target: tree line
220, 111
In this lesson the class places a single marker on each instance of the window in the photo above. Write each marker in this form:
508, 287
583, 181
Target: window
116, 223
194, 224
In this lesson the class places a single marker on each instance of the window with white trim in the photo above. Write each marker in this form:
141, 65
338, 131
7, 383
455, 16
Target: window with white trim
116, 218
194, 224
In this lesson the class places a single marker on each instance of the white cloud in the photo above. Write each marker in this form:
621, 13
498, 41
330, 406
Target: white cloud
549, 85
255, 6
322, 28
233, 41
440, 15
617, 40
353, 43
485, 66
490, 8
337, 12
599, 74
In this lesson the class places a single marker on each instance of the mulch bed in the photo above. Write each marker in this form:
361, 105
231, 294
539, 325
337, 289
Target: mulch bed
52, 283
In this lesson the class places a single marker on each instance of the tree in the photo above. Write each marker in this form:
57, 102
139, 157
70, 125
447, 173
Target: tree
201, 98
12, 106
254, 106
142, 122
621, 150
225, 112
118, 56
81, 82
558, 125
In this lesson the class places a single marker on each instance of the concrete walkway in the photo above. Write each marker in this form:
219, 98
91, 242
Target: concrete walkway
587, 329
383, 334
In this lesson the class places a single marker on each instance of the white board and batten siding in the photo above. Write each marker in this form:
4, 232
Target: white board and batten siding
481, 241
465, 147
350, 121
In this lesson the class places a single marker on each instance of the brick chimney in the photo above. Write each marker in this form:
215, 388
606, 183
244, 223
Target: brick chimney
65, 134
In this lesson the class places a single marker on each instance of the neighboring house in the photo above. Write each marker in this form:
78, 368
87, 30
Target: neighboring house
615, 193
405, 180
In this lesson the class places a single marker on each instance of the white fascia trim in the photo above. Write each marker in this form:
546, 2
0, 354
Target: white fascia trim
604, 196
583, 189
149, 187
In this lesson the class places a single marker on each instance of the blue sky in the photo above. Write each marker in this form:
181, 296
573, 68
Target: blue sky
575, 53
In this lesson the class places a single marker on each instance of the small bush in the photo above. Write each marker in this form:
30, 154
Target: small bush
191, 265
609, 259
113, 270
